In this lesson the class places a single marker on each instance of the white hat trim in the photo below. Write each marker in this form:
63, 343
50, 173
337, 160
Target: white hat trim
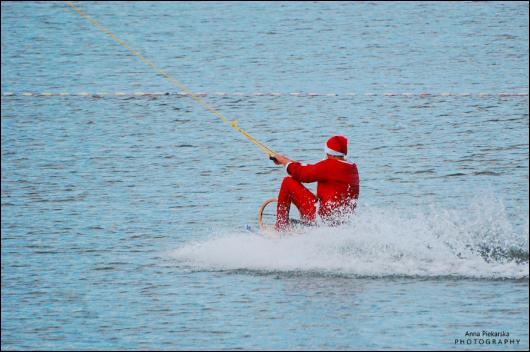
333, 152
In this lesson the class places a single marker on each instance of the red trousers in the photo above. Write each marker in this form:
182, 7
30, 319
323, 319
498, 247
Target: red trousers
293, 191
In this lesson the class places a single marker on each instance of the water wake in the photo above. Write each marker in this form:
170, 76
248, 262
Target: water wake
477, 242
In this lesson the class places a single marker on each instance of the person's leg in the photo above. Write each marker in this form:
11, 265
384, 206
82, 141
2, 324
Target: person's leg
293, 191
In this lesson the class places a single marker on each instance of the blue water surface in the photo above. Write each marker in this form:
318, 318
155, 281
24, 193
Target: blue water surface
123, 217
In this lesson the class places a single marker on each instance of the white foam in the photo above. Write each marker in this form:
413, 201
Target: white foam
380, 242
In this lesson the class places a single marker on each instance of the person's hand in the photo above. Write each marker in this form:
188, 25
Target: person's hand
273, 158
280, 159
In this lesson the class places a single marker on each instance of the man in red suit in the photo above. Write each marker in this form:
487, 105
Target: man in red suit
337, 187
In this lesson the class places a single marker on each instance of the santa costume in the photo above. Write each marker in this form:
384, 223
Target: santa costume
337, 186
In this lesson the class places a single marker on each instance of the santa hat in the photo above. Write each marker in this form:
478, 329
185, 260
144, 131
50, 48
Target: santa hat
337, 146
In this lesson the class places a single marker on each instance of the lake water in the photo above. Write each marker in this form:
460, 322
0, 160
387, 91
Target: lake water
123, 216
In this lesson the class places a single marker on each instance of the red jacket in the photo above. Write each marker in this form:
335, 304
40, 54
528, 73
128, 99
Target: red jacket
338, 182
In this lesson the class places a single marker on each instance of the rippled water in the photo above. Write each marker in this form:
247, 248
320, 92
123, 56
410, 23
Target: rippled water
123, 218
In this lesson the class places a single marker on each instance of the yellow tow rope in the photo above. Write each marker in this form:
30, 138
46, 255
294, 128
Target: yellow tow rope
172, 80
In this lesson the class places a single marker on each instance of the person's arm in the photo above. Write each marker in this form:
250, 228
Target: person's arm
302, 173
281, 160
